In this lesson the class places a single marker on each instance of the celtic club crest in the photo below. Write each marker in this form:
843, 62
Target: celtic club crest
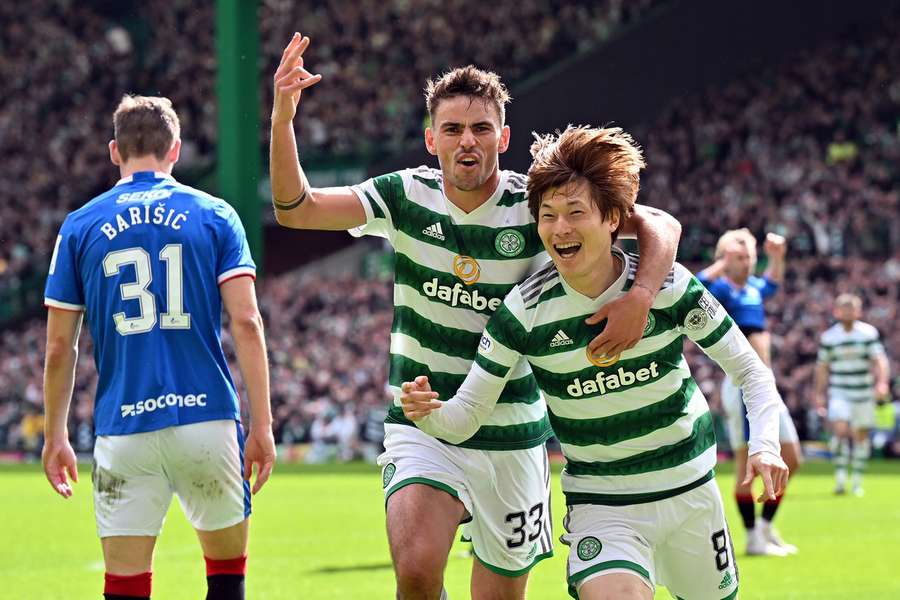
388, 474
588, 548
509, 243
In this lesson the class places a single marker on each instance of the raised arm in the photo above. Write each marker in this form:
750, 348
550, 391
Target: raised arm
296, 204
775, 248
713, 271
63, 329
657, 234
239, 298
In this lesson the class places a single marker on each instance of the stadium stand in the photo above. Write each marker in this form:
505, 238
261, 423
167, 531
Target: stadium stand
808, 149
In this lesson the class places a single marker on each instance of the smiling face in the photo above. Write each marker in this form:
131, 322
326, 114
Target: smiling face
575, 234
467, 137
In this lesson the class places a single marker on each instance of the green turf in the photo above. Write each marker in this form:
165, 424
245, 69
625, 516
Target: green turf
318, 533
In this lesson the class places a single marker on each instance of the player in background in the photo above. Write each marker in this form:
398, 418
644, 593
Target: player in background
854, 368
463, 236
732, 281
150, 264
635, 429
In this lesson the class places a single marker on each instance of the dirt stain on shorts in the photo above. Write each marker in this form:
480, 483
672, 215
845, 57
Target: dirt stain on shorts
210, 489
107, 485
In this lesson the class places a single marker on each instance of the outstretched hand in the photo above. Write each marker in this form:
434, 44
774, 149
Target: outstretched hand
773, 472
417, 398
291, 78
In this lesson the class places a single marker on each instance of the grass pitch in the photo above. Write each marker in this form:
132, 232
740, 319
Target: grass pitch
318, 533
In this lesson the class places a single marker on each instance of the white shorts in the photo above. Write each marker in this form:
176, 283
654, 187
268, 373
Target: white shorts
736, 417
860, 414
135, 476
681, 542
506, 493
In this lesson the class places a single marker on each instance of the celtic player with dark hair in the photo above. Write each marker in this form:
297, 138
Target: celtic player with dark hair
635, 428
463, 236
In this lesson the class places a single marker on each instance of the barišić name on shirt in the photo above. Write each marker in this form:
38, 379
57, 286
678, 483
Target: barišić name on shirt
144, 215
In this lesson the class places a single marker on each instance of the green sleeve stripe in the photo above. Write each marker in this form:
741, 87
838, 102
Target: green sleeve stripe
717, 334
689, 299
507, 329
701, 439
390, 188
431, 183
377, 213
627, 425
495, 369
434, 336
510, 198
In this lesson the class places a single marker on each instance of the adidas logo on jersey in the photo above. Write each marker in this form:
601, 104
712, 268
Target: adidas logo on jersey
604, 383
434, 231
561, 339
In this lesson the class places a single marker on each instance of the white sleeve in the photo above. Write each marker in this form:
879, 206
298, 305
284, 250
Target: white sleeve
741, 362
460, 417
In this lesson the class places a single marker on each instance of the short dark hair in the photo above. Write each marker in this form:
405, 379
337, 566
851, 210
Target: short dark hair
467, 81
145, 125
607, 159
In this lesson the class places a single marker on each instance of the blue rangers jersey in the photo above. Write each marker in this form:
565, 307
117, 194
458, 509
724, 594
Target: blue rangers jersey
746, 304
144, 261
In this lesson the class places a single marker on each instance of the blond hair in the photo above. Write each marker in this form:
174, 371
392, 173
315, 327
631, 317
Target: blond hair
740, 236
848, 300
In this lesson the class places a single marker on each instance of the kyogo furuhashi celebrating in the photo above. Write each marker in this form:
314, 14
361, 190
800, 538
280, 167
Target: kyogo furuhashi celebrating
635, 428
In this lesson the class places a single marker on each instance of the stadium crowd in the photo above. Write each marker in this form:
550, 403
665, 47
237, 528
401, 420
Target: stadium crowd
66, 64
809, 149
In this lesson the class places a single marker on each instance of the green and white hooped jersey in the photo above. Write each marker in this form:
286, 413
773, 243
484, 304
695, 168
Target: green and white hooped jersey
849, 357
452, 271
636, 427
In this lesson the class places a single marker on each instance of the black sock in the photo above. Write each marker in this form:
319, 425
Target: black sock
747, 510
769, 509
225, 587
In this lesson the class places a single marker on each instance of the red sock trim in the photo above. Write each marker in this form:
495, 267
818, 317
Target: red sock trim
744, 497
776, 501
230, 566
128, 585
